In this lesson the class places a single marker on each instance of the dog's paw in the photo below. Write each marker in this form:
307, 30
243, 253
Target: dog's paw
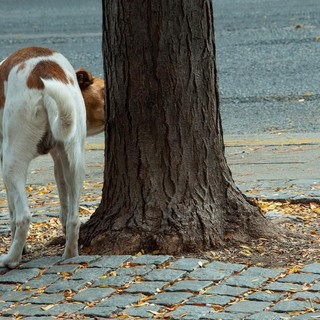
6, 262
70, 254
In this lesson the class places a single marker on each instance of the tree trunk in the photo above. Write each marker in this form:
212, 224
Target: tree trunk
167, 185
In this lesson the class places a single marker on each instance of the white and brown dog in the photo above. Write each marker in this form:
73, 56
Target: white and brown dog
45, 106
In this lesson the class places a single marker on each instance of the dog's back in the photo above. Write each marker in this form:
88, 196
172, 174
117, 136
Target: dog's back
40, 87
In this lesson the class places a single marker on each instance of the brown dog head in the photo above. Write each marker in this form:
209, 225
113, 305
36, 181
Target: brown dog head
92, 89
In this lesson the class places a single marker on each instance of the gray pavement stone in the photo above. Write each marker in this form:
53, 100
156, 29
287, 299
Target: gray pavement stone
80, 260
264, 272
19, 276
42, 262
300, 278
113, 281
143, 311
164, 275
222, 294
63, 285
190, 312
98, 311
283, 287
111, 262
43, 310
146, 287
226, 316
315, 287
210, 274
7, 287
188, 264
226, 290
152, 259
65, 309
93, 294
267, 315
64, 269
135, 271
43, 281
4, 305
210, 300
312, 268
248, 307
120, 300
222, 266
308, 316
44, 298
291, 305
307, 295
37, 318
246, 281
216, 271
266, 296
189, 285
170, 298
89, 274
52, 214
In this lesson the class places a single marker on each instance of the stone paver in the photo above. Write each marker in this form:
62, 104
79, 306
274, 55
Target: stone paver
313, 268
188, 264
189, 285
171, 298
120, 300
89, 274
210, 300
158, 286
17, 275
143, 311
63, 285
293, 305
266, 296
191, 312
44, 281
113, 281
226, 290
52, 298
164, 275
300, 278
93, 294
248, 306
146, 287
111, 262
113, 286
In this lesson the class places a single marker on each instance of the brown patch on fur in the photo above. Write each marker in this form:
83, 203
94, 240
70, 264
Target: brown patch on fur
21, 67
16, 58
70, 80
45, 69
92, 89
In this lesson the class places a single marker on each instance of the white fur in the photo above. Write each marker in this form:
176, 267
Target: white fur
24, 120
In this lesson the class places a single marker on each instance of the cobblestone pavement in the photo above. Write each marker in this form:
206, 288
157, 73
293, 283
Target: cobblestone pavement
154, 286
157, 286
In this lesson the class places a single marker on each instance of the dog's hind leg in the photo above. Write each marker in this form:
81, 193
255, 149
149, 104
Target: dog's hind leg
15, 167
72, 166
61, 184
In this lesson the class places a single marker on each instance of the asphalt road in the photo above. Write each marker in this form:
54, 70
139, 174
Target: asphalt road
268, 54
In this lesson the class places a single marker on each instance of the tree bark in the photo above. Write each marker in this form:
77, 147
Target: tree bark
167, 185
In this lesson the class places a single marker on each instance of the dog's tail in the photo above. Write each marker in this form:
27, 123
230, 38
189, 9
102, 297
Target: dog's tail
61, 109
